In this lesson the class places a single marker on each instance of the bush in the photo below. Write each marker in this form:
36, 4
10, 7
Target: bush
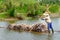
40, 10
54, 8
11, 12
21, 9
10, 9
36, 10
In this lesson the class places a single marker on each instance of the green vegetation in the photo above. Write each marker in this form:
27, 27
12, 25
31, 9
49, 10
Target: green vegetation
54, 8
22, 9
3, 15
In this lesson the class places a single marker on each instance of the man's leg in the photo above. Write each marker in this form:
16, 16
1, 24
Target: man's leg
51, 27
48, 27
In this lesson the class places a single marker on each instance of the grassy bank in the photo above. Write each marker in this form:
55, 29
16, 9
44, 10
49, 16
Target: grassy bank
27, 9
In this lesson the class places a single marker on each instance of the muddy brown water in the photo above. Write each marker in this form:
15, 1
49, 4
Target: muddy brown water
13, 35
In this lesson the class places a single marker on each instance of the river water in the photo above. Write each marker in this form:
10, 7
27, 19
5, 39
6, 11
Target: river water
13, 35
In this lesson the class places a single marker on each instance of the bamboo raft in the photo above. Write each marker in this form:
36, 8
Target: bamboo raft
39, 27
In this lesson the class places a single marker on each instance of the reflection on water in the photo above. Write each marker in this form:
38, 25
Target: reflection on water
12, 35
50, 37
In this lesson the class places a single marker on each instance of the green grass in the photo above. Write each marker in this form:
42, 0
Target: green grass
54, 8
3, 15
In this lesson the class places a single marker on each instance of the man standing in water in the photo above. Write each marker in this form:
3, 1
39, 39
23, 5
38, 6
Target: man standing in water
47, 19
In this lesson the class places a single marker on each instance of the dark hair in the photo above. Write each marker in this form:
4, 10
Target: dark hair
43, 11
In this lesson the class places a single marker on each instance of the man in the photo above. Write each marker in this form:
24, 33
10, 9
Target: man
47, 19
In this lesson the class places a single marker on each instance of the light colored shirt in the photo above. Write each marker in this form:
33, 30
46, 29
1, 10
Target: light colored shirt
46, 17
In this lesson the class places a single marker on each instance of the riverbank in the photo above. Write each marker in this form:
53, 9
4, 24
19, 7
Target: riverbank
8, 19
14, 19
55, 15
4, 17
